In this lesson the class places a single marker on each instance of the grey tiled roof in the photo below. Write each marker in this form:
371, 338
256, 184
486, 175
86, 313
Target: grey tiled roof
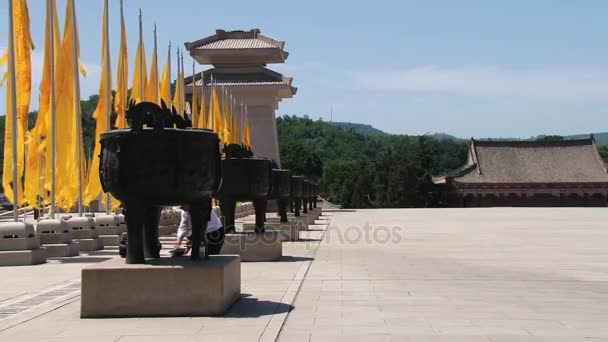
248, 43
569, 161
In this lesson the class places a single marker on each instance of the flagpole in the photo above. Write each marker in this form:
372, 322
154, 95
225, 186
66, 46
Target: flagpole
52, 105
12, 71
141, 59
77, 105
108, 89
155, 68
169, 76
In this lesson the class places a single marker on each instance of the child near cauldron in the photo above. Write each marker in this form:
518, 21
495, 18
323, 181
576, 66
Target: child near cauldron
215, 232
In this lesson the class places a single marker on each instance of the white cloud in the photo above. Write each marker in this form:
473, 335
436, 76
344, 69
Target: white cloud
490, 82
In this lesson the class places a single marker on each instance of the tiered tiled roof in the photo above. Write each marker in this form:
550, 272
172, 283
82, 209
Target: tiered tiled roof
567, 161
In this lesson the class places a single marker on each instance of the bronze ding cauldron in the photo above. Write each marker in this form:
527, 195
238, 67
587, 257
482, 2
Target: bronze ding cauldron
306, 194
311, 194
296, 194
244, 179
146, 168
315, 195
280, 190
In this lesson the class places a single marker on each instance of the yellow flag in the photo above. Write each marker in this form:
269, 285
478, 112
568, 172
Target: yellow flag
67, 138
225, 119
23, 77
139, 74
165, 83
217, 115
93, 185
38, 140
194, 107
202, 114
235, 126
122, 76
178, 97
246, 134
152, 85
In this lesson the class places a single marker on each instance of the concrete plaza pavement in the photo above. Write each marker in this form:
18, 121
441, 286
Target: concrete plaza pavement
500, 274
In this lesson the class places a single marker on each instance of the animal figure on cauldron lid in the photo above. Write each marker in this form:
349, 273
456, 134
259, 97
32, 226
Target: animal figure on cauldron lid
237, 151
151, 115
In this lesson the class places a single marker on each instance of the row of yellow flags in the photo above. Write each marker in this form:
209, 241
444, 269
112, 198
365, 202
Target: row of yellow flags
221, 114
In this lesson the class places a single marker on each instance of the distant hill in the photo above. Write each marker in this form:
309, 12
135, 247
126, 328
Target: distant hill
601, 138
359, 128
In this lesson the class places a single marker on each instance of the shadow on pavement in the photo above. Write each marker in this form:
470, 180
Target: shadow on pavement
251, 307
77, 260
291, 258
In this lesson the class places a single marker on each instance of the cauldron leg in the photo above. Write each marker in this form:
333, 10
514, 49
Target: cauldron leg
200, 214
305, 205
228, 208
260, 209
151, 220
282, 209
310, 204
135, 239
297, 205
314, 203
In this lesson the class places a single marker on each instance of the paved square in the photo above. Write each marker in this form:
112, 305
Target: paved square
503, 274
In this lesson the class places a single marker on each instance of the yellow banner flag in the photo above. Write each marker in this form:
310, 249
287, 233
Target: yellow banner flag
246, 133
122, 76
194, 107
152, 85
67, 137
23, 85
93, 184
225, 118
217, 115
38, 141
139, 74
202, 114
165, 84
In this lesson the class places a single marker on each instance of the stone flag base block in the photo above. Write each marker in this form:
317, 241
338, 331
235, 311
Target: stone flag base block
289, 231
251, 246
23, 257
163, 287
62, 250
90, 245
109, 240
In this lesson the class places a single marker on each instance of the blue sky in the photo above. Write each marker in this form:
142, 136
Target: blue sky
469, 68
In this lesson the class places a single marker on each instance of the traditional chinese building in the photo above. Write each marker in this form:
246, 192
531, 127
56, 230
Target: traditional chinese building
239, 60
528, 173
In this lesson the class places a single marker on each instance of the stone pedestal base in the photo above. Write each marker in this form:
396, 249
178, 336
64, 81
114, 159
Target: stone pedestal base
289, 231
109, 240
24, 257
163, 287
90, 245
62, 250
250, 246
